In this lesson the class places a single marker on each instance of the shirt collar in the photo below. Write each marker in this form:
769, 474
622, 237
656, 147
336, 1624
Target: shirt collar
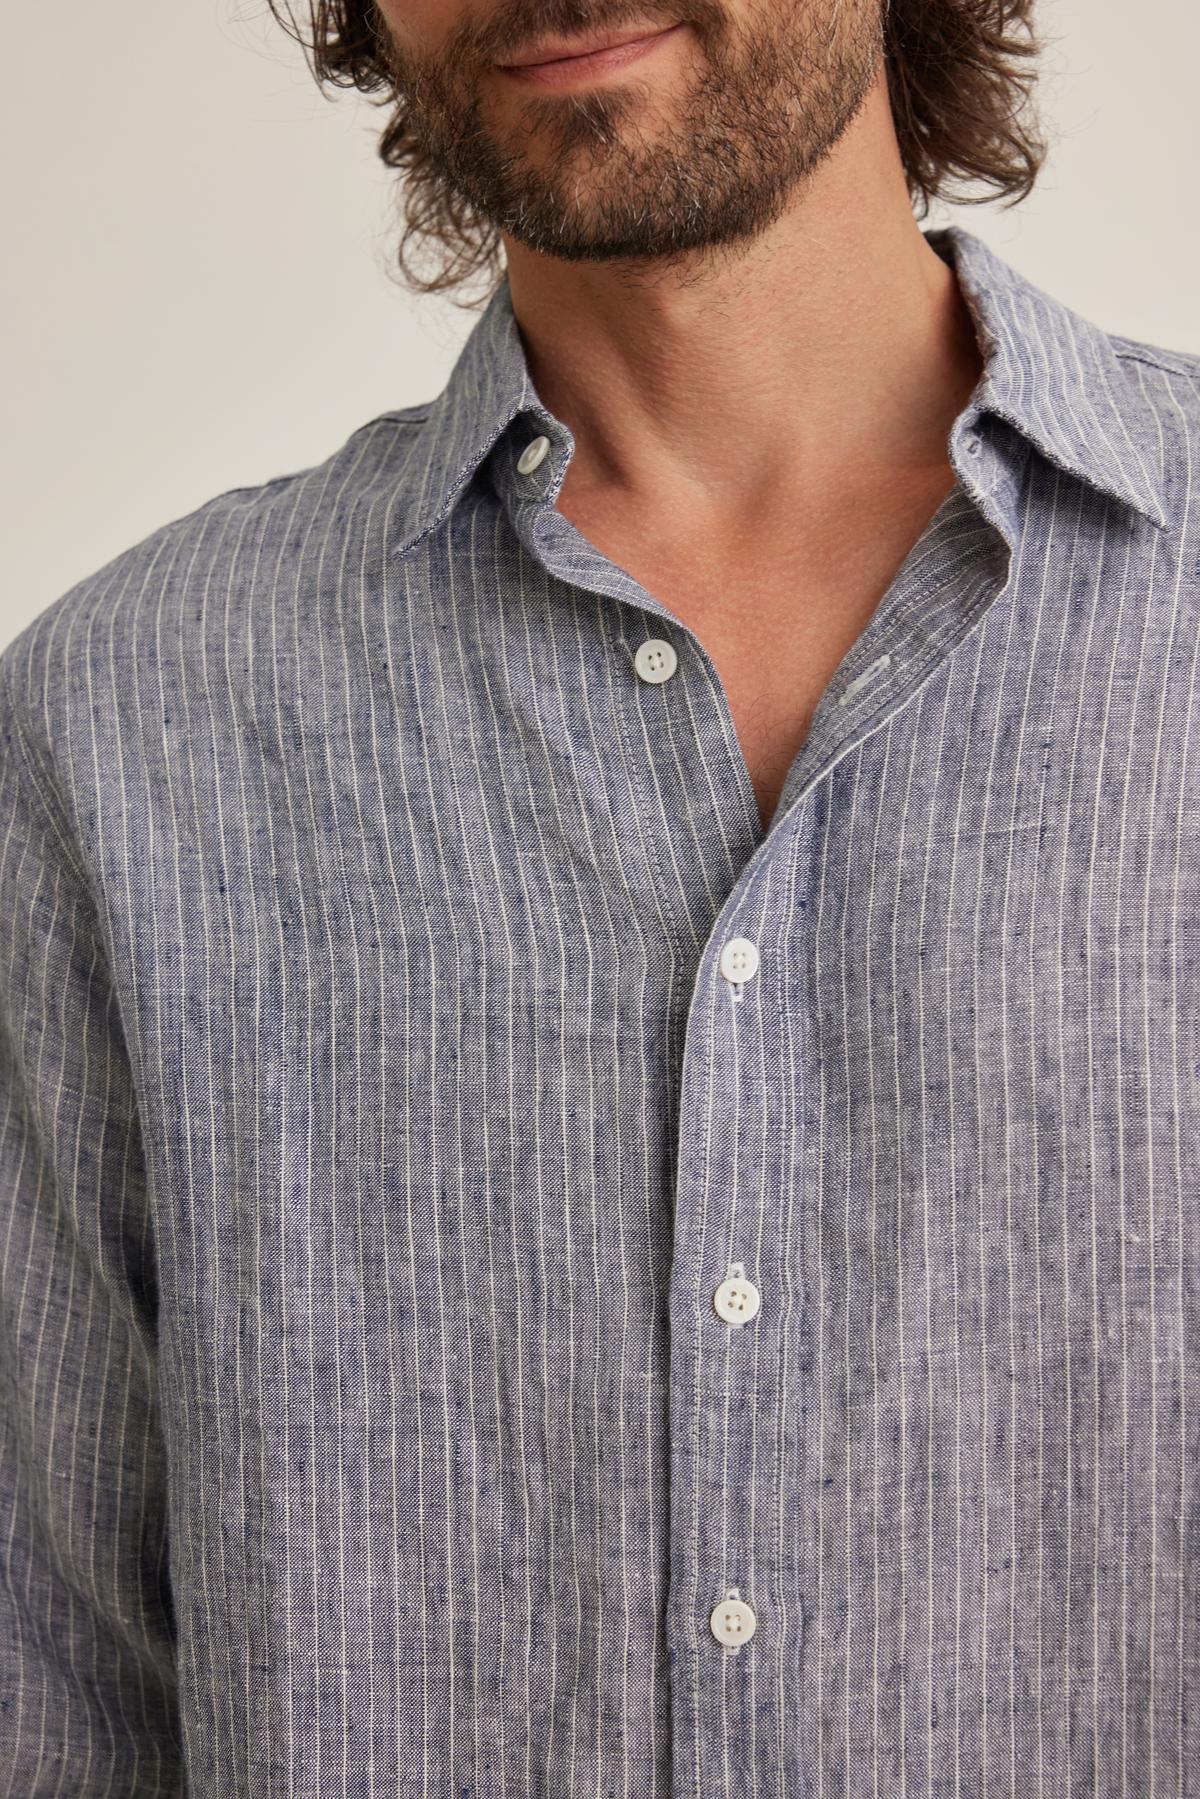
1049, 372
1054, 376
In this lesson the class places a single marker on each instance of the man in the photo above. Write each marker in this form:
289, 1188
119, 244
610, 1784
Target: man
601, 1000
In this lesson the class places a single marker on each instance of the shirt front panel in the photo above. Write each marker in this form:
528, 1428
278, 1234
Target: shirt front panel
419, 903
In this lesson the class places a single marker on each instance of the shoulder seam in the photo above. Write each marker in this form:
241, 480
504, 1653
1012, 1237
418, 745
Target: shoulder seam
404, 416
1152, 362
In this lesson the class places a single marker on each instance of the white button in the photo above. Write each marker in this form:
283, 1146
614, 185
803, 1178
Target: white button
656, 660
736, 1299
533, 454
739, 959
732, 1621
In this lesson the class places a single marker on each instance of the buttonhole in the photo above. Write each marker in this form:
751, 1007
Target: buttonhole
861, 679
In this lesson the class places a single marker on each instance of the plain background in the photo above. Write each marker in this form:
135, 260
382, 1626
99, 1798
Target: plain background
202, 293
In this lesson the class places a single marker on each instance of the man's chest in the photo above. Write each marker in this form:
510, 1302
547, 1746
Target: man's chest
534, 867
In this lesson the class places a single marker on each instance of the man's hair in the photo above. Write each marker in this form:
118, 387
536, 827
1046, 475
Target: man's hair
960, 77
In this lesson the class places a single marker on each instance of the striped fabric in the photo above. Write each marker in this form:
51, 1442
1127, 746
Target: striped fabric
519, 1281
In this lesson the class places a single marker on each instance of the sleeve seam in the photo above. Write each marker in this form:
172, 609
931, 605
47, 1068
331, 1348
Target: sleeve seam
67, 848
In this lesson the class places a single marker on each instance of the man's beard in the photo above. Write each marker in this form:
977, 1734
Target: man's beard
625, 173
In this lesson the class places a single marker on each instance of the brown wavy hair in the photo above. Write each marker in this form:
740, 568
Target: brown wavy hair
960, 79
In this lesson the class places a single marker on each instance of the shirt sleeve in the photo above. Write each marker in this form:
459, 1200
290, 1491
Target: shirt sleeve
88, 1684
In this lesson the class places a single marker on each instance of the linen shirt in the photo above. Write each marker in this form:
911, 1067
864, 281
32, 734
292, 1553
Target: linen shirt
519, 1281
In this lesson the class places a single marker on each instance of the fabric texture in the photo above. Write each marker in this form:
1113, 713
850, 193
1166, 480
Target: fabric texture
384, 1120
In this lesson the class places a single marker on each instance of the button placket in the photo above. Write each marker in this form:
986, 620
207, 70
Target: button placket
736, 1300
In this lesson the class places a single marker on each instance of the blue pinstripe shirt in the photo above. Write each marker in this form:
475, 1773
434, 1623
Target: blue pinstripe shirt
519, 1281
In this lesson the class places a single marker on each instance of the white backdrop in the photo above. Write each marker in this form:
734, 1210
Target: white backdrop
200, 245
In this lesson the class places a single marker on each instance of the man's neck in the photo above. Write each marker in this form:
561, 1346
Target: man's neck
834, 349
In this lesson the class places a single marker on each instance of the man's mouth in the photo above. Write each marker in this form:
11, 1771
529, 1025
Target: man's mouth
566, 59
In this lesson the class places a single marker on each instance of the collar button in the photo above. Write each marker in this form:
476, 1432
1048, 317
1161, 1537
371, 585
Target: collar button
533, 455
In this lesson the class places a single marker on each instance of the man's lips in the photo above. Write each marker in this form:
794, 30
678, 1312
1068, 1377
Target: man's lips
583, 54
